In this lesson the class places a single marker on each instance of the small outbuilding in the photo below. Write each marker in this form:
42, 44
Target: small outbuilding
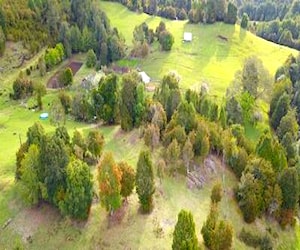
44, 116
187, 37
145, 78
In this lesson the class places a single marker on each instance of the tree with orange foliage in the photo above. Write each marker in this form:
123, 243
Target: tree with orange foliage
109, 179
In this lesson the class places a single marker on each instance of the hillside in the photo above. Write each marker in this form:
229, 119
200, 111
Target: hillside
208, 58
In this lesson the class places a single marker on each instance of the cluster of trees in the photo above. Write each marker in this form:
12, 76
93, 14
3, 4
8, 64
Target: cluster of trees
117, 180
285, 32
24, 87
196, 11
78, 25
269, 10
143, 37
217, 234
212, 11
54, 56
52, 168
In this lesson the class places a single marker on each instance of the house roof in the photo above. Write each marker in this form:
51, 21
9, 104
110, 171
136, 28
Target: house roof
187, 36
145, 77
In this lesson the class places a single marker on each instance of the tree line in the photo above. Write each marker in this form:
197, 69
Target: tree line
209, 11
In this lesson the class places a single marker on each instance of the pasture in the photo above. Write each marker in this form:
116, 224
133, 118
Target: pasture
207, 59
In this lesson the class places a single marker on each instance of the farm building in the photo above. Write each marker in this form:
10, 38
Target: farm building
187, 36
145, 78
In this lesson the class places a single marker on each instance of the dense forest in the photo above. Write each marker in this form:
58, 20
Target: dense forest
78, 25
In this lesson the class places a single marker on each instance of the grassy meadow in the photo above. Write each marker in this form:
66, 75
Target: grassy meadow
206, 59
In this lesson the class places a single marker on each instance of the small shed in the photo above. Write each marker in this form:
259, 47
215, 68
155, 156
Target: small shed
187, 36
145, 78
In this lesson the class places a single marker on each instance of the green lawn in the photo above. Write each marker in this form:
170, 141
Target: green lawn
207, 58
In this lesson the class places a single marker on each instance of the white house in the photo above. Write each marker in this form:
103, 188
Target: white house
187, 36
145, 78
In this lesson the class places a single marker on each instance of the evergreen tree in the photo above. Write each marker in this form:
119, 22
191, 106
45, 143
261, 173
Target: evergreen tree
184, 235
245, 20
30, 184
127, 180
281, 109
145, 181
91, 59
79, 190
95, 143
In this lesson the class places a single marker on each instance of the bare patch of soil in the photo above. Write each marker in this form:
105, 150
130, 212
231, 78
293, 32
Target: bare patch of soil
117, 217
53, 81
29, 220
201, 174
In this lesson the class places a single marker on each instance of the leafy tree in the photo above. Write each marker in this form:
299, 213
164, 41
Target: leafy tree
234, 111
65, 77
42, 66
186, 116
54, 157
289, 145
249, 197
151, 136
109, 179
35, 134
2, 41
289, 184
22, 88
91, 59
40, 91
79, 145
220, 10
127, 180
209, 226
79, 190
187, 153
132, 101
231, 15
30, 191
184, 235
106, 99
281, 109
19, 157
145, 181
166, 40
210, 11
95, 143
223, 236
288, 124
57, 113
173, 153
216, 193
65, 100
245, 20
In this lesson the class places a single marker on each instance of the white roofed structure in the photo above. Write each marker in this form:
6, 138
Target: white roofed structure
145, 78
187, 36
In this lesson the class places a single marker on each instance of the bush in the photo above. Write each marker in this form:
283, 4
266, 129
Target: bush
91, 59
182, 15
255, 240
22, 88
166, 40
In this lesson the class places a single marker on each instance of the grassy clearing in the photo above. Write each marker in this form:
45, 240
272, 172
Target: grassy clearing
207, 58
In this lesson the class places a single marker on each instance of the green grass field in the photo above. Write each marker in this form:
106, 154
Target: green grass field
207, 58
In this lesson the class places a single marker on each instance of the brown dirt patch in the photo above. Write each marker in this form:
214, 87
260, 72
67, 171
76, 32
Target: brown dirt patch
53, 81
117, 217
29, 220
